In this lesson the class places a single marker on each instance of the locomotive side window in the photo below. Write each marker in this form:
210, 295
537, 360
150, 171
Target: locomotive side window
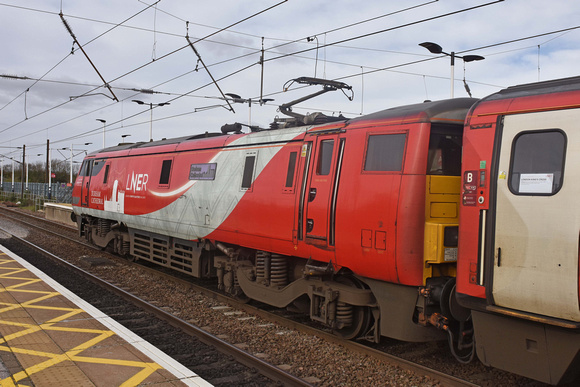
165, 172
291, 170
248, 173
385, 152
325, 157
106, 178
537, 162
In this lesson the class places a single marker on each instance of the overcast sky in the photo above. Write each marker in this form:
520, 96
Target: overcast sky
50, 90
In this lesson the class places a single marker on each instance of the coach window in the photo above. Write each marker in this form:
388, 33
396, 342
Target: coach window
385, 152
325, 157
537, 162
165, 172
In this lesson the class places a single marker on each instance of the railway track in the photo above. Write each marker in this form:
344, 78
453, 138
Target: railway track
429, 375
213, 359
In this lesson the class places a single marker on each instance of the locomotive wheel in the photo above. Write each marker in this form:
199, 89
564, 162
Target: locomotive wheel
361, 315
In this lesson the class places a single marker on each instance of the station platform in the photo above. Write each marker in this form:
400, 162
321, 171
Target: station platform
59, 212
50, 337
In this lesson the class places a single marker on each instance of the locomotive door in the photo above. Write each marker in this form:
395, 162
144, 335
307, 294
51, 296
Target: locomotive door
322, 189
537, 220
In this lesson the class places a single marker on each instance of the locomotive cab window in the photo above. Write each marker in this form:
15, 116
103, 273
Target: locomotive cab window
165, 172
385, 152
84, 167
444, 157
97, 166
537, 162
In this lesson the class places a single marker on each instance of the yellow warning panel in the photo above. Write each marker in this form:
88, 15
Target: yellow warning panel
57, 343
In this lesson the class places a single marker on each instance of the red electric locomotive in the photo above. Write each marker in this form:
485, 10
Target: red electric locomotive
344, 220
356, 222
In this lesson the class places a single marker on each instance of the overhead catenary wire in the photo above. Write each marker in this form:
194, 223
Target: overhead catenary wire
206, 69
162, 57
390, 29
36, 81
390, 68
198, 40
115, 25
69, 29
286, 41
72, 51
488, 46
285, 55
364, 72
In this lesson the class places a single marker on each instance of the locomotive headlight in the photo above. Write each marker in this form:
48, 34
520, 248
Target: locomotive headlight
451, 236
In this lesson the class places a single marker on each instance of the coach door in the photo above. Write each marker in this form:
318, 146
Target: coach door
322, 189
537, 222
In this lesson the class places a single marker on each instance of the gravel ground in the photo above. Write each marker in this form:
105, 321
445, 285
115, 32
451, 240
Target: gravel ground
308, 357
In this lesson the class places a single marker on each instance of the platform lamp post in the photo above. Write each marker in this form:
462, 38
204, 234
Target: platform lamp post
151, 106
434, 48
104, 122
49, 168
21, 173
38, 154
2, 173
12, 167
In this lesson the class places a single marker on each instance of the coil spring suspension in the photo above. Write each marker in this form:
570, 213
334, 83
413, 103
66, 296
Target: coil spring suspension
103, 226
262, 267
278, 270
126, 247
344, 315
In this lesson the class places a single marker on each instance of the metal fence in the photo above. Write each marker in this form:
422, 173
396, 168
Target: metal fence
36, 192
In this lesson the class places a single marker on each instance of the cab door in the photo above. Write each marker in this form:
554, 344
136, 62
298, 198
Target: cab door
537, 217
322, 189
85, 175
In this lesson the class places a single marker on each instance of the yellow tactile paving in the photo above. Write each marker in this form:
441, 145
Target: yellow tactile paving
57, 343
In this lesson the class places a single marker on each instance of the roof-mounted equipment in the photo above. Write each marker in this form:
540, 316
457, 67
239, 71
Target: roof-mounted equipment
327, 85
236, 128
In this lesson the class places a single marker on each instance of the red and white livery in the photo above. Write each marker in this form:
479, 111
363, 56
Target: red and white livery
451, 219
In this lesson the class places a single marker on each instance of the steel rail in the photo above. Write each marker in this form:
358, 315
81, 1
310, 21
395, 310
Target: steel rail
264, 368
447, 380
